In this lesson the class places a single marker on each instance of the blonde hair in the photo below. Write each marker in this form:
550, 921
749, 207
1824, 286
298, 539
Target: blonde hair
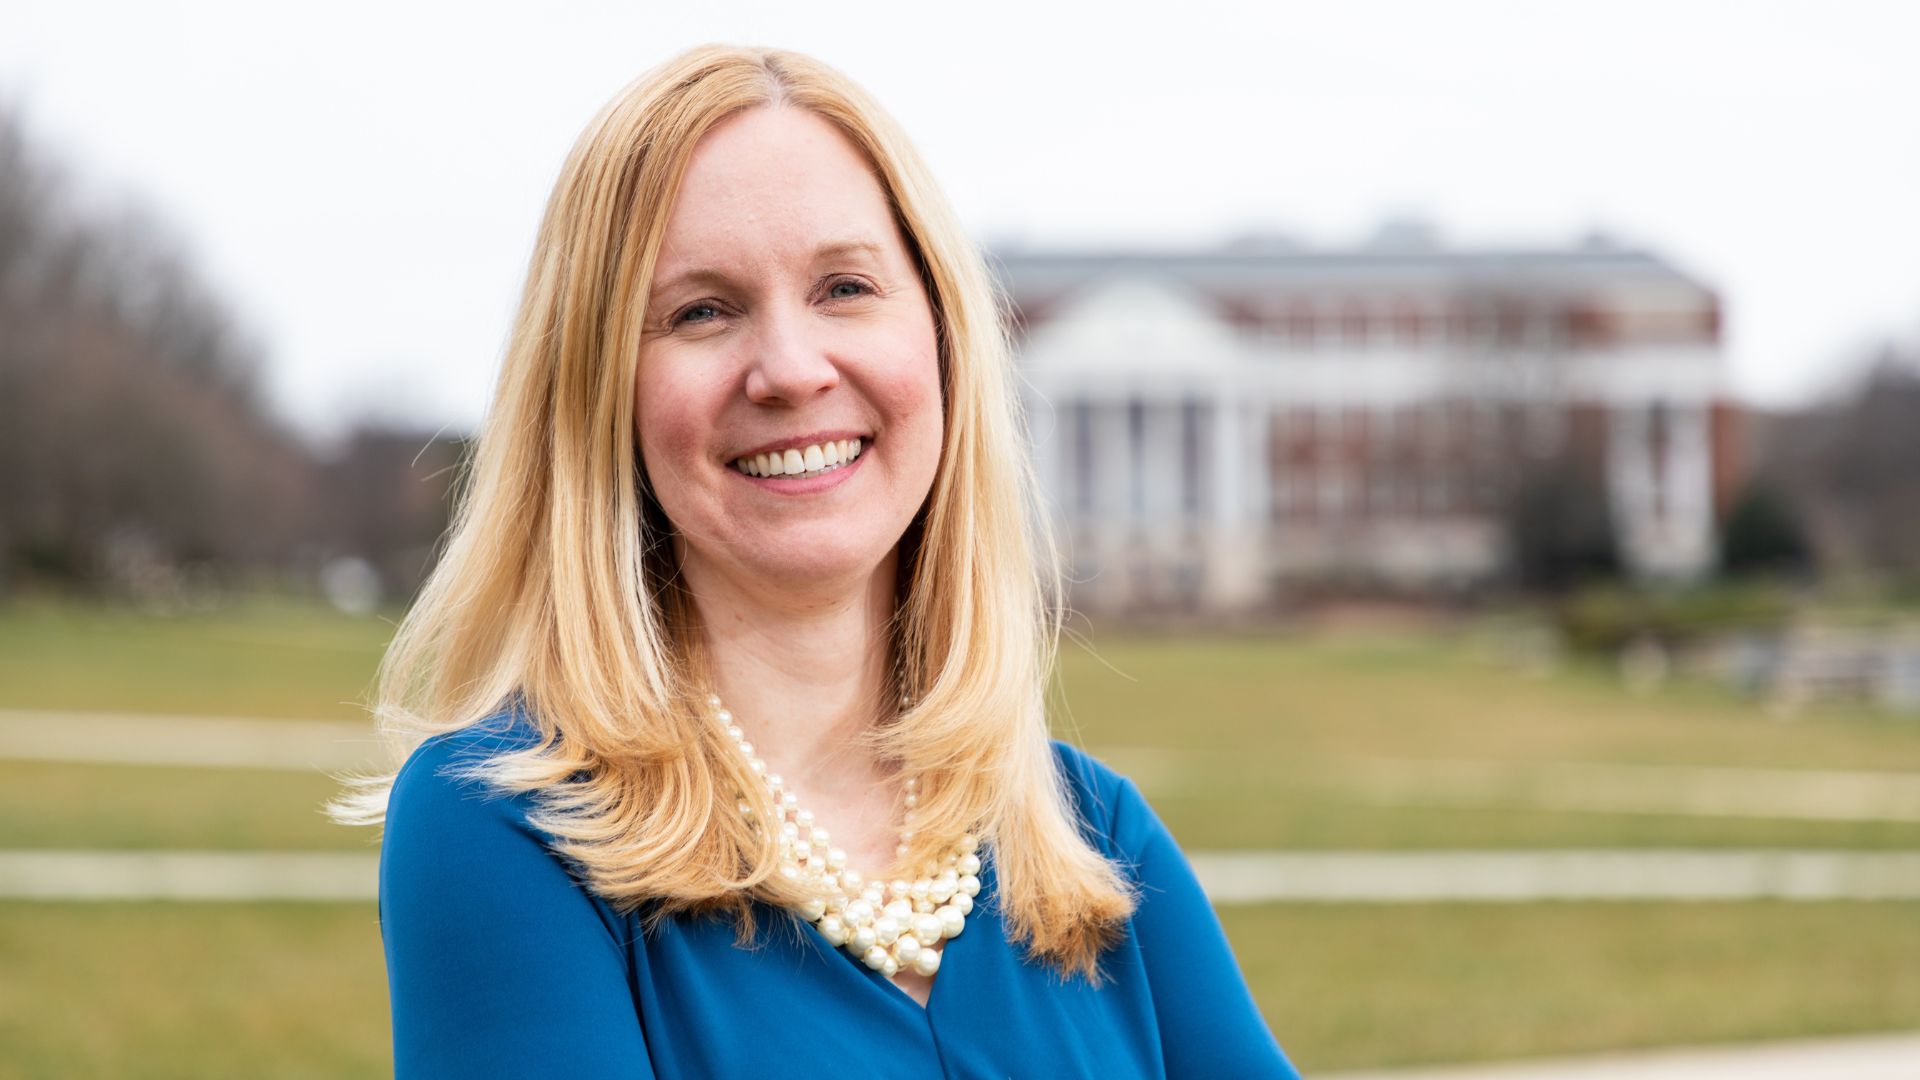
557, 582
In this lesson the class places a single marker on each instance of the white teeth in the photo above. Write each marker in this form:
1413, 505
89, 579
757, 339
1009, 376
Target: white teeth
819, 457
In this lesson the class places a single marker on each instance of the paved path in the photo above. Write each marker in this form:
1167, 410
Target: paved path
205, 741
1743, 791
1505, 876
1229, 877
187, 875
1582, 786
1860, 1057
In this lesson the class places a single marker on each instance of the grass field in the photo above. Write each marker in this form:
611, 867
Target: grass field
297, 990
1240, 742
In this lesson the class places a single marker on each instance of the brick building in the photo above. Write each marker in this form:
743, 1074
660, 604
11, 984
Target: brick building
1210, 426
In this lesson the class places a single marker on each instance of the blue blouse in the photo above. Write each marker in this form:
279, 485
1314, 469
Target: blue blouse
501, 964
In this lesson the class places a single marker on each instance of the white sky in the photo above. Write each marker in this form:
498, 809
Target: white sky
364, 179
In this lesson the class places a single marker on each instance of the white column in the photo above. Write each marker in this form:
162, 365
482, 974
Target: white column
1112, 461
1689, 474
1224, 421
1630, 482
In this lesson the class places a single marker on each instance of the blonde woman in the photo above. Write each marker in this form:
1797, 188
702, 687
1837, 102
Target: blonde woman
721, 715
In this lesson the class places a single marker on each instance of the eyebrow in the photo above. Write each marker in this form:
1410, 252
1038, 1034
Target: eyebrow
708, 276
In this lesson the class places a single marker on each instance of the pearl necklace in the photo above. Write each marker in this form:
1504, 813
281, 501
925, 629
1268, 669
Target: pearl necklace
890, 927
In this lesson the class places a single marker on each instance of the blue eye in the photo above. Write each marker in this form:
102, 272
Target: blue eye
833, 291
687, 314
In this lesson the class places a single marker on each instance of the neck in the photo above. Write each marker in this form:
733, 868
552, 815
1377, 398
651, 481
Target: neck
805, 675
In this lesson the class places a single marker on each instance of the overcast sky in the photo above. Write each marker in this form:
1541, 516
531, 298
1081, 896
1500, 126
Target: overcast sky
364, 179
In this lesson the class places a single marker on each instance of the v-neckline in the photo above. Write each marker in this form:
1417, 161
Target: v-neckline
985, 911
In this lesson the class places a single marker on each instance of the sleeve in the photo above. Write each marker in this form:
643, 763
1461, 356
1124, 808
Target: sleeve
498, 964
1209, 1024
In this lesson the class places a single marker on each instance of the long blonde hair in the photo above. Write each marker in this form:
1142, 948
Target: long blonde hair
557, 583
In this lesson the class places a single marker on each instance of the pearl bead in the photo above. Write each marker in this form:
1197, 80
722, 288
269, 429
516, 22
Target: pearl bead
889, 925
928, 929
951, 921
713, 700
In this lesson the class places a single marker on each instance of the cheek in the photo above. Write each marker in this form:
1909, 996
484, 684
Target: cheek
667, 423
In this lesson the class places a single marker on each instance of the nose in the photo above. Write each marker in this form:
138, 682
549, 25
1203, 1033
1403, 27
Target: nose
789, 360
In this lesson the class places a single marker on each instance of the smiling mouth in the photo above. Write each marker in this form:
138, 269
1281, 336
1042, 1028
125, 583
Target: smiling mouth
801, 461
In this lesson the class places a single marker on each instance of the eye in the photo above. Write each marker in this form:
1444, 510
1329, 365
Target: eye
855, 286
696, 313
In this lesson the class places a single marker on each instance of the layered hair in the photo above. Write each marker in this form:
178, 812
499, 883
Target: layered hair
557, 587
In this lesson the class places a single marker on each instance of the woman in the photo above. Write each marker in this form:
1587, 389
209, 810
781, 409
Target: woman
744, 558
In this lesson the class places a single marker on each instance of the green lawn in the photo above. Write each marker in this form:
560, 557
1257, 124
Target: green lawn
296, 990
59, 805
263, 658
1363, 986
1240, 742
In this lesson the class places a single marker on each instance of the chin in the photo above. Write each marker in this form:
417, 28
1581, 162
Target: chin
808, 565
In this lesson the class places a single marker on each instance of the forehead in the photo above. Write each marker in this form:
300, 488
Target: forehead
770, 182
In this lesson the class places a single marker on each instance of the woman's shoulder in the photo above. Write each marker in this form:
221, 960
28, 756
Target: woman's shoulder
1105, 799
441, 780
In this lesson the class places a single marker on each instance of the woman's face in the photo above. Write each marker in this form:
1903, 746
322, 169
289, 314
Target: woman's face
787, 323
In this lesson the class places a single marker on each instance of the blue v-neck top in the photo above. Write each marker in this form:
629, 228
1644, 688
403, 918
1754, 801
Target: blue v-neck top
502, 965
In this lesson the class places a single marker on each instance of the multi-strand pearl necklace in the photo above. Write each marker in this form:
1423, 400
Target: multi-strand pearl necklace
890, 927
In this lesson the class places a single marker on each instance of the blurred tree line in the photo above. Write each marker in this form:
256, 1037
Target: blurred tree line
137, 456
1842, 479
